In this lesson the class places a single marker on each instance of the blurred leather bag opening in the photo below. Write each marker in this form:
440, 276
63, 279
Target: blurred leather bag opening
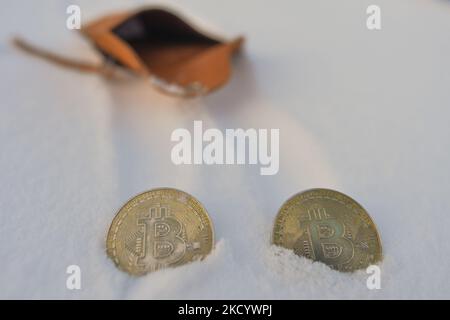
158, 44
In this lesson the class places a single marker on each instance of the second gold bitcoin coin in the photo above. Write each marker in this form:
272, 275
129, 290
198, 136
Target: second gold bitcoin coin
158, 229
328, 226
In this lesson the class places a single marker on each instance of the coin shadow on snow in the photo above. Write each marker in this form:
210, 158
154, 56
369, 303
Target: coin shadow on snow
141, 122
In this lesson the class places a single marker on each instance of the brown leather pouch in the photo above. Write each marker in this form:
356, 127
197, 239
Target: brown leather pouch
156, 43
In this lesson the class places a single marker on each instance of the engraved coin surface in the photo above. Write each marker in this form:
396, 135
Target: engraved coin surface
158, 229
328, 226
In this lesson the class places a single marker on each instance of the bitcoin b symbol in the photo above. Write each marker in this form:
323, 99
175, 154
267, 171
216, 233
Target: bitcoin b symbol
163, 238
324, 238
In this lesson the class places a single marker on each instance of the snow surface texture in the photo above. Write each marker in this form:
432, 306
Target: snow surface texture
363, 112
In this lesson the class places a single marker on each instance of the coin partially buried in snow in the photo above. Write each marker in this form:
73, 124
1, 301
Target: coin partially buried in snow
328, 226
158, 229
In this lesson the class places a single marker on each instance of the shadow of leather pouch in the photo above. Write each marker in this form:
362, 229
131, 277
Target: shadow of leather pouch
156, 44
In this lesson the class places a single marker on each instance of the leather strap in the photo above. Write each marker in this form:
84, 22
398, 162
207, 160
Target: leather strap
60, 60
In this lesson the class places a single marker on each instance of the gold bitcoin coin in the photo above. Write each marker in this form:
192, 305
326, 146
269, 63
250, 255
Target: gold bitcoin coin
328, 226
158, 229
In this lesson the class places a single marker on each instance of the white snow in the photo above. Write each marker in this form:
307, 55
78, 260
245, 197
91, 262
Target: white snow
363, 112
